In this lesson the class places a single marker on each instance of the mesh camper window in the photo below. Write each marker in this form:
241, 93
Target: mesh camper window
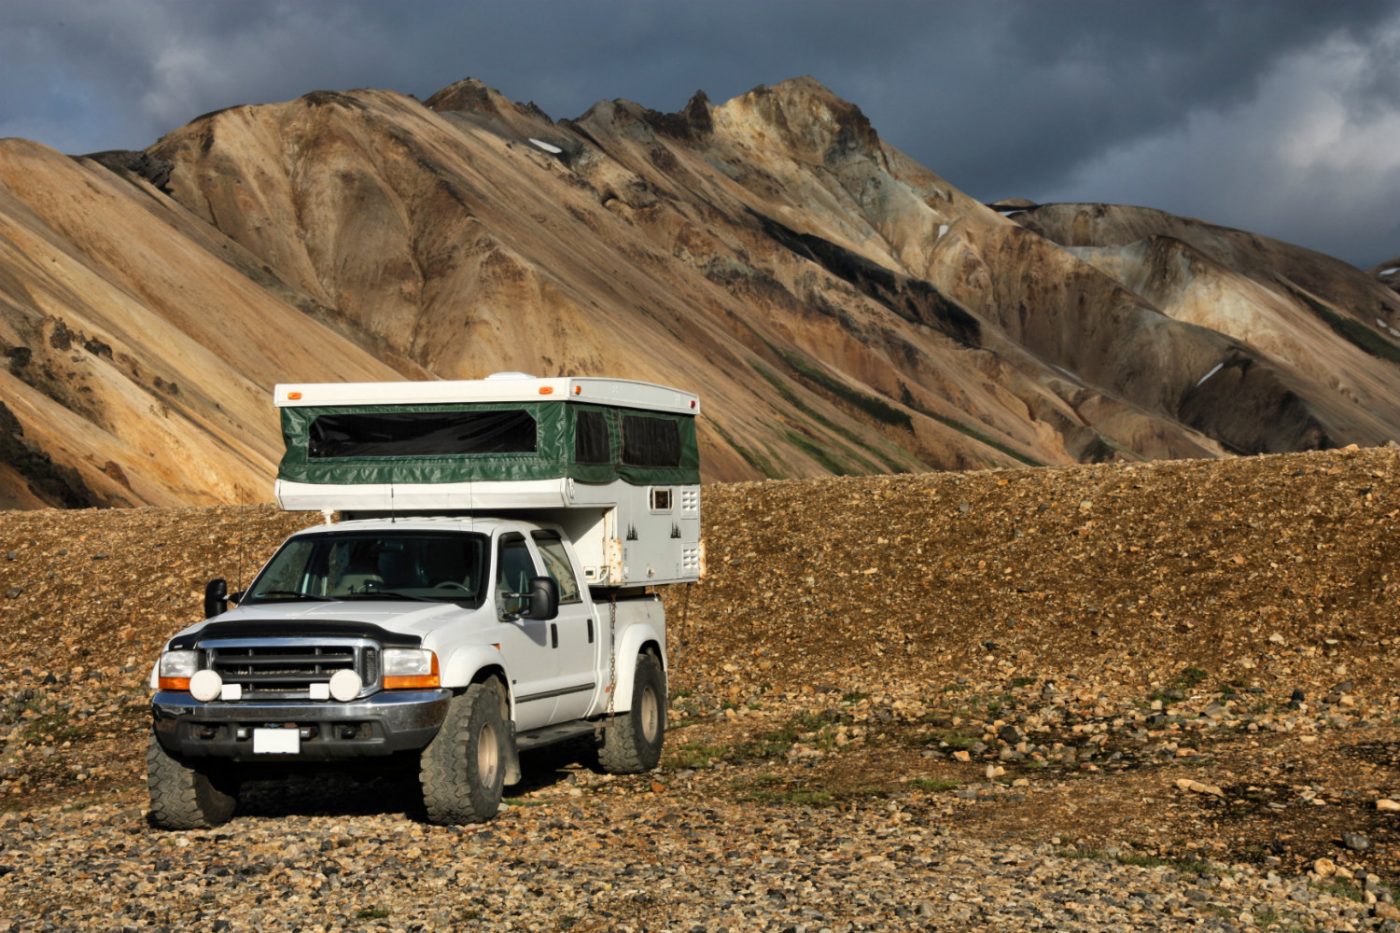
650, 442
421, 434
591, 438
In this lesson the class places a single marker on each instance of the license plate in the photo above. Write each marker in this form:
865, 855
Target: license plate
276, 742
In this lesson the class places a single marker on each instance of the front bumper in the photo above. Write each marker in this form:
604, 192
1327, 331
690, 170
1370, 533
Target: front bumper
379, 725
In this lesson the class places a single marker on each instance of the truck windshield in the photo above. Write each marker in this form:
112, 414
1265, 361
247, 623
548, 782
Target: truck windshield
389, 565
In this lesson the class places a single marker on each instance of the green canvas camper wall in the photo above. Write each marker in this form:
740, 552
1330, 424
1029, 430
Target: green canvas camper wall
614, 462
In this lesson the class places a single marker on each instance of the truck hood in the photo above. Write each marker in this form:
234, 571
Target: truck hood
406, 624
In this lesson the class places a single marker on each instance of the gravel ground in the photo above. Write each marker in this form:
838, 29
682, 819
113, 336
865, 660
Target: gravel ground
625, 859
1120, 697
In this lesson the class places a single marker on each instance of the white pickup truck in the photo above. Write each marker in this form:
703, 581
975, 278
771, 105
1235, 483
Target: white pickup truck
459, 639
446, 641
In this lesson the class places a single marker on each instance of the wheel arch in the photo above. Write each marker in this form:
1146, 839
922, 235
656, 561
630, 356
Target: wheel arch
497, 672
639, 639
475, 665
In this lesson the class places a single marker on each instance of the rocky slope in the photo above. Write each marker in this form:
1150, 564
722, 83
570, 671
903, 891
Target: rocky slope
1389, 273
1148, 695
842, 308
1316, 320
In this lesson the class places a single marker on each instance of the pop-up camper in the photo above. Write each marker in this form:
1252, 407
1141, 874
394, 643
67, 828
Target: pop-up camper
612, 461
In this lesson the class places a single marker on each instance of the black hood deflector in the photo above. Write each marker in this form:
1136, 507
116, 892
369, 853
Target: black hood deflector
294, 628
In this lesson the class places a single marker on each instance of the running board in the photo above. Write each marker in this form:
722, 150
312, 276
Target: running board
550, 735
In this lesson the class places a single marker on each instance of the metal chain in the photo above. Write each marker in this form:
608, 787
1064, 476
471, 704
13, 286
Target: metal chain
673, 647
612, 652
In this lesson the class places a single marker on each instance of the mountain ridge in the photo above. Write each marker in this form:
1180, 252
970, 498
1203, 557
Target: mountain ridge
842, 308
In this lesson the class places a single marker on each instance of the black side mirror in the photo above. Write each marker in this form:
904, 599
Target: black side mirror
544, 598
215, 597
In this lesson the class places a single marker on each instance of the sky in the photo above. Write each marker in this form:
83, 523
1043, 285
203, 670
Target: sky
1277, 116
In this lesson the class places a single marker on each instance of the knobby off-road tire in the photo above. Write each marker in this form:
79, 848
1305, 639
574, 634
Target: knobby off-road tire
462, 771
183, 797
632, 740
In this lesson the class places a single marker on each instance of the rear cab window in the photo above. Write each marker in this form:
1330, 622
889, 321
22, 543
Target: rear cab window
558, 566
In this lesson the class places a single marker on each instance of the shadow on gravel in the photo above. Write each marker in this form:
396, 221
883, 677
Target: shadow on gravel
1385, 754
367, 792
313, 793
546, 767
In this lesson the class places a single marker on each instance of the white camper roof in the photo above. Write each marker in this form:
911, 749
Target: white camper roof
500, 387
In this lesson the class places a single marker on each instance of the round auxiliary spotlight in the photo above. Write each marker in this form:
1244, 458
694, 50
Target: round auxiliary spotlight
206, 686
345, 685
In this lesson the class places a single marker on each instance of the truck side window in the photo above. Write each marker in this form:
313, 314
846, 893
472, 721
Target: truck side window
513, 571
556, 564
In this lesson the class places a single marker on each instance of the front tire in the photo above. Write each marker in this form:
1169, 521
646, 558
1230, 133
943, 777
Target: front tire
632, 740
183, 797
462, 771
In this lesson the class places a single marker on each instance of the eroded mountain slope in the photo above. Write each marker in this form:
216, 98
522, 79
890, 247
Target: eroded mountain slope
1331, 329
139, 359
842, 309
1389, 273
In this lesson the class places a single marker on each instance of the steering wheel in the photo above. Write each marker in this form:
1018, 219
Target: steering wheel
451, 585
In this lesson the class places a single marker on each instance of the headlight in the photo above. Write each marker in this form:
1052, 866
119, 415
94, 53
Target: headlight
410, 669
176, 669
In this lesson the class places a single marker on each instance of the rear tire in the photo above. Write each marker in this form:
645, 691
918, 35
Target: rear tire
185, 797
462, 771
632, 740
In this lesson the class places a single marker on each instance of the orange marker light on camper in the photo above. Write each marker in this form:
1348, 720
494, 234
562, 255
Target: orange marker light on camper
546, 390
293, 396
578, 390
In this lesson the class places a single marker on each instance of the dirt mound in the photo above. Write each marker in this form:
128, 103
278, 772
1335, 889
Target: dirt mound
1267, 569
1268, 572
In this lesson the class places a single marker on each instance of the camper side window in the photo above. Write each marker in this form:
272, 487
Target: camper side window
421, 434
591, 438
650, 442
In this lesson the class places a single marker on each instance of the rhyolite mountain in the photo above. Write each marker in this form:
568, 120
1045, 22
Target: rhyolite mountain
1389, 273
840, 308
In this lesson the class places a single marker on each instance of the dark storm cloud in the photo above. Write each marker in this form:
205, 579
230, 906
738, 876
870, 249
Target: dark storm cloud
1085, 100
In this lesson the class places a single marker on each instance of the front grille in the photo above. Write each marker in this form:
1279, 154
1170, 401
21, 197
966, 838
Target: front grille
272, 669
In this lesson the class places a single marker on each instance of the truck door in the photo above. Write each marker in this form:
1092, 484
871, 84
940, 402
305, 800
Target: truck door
525, 643
573, 631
